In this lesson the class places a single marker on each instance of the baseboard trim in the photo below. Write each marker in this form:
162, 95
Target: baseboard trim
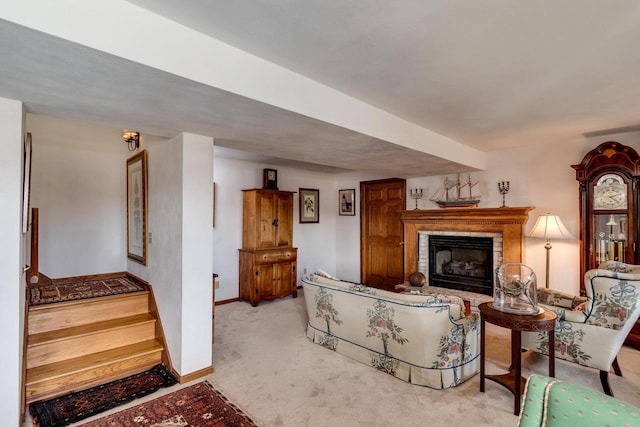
194, 375
227, 301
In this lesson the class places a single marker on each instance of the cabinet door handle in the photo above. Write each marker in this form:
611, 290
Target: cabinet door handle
275, 222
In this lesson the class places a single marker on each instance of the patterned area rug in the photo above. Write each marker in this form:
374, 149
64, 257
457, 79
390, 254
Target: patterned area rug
199, 405
77, 406
50, 293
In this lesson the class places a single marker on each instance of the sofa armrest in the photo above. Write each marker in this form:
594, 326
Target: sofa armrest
549, 399
576, 316
469, 322
619, 267
533, 402
556, 298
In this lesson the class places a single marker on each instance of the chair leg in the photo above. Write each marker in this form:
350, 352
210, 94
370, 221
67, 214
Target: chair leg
604, 379
616, 367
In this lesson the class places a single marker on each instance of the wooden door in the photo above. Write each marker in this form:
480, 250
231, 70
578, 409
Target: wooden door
284, 215
266, 211
264, 282
282, 279
381, 234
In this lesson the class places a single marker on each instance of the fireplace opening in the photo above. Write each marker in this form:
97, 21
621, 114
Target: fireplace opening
461, 262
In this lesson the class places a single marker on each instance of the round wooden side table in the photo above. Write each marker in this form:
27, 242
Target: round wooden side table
543, 322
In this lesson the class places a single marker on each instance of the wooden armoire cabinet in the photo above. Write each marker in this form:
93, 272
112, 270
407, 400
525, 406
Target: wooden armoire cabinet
609, 177
267, 258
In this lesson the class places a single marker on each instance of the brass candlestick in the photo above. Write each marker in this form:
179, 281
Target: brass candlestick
503, 188
416, 195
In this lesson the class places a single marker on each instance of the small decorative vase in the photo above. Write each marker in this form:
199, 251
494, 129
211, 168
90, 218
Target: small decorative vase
417, 279
515, 289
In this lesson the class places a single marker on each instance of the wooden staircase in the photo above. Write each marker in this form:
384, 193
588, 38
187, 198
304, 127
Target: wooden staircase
75, 345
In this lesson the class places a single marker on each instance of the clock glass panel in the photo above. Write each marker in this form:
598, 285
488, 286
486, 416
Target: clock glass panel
610, 240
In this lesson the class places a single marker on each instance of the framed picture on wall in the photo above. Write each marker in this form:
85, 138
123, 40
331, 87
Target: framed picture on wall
26, 182
309, 205
137, 207
347, 202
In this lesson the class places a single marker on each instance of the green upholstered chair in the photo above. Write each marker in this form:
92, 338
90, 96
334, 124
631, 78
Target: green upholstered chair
591, 330
554, 403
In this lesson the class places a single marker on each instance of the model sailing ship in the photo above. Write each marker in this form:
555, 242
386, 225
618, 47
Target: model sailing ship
451, 194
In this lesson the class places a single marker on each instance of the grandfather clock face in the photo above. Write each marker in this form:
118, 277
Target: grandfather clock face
610, 193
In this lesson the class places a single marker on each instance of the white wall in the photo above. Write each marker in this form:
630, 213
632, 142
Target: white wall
541, 177
12, 258
164, 259
313, 240
179, 266
197, 250
79, 186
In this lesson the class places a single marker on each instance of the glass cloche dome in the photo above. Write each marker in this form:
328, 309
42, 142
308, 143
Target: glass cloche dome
515, 289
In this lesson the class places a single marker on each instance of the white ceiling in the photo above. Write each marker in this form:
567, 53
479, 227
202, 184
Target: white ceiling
491, 75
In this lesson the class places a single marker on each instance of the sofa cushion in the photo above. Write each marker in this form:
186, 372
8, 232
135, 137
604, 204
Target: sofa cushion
559, 299
456, 303
554, 403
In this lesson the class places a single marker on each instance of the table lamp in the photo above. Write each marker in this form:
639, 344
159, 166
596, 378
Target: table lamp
549, 227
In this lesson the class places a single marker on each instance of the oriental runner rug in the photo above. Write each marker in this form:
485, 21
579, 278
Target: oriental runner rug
199, 405
73, 407
82, 289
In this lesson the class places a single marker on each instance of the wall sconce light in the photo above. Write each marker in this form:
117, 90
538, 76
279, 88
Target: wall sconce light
132, 138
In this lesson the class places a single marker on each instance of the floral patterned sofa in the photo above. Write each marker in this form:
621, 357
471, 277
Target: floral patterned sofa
591, 330
422, 339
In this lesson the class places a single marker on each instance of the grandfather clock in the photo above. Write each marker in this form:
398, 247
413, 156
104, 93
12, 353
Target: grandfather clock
609, 177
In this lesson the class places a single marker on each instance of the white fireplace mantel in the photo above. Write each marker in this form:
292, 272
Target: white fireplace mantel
508, 222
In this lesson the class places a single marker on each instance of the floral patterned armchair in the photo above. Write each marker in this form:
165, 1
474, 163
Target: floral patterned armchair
591, 330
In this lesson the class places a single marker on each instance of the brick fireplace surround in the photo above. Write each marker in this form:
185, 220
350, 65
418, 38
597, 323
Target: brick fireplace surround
509, 222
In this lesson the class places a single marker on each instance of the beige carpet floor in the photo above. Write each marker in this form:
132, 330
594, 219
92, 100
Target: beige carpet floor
265, 364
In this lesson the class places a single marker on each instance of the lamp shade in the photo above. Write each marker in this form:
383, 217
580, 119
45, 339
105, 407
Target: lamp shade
550, 227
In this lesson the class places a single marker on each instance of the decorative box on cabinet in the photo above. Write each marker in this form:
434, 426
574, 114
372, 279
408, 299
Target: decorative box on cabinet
267, 258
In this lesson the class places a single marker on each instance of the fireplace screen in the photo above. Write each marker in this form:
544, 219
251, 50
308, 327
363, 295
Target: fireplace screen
461, 262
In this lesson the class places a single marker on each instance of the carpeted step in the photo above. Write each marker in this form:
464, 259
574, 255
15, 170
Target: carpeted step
49, 317
68, 343
58, 378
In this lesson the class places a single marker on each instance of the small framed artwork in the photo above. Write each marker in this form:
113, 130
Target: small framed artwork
346, 202
309, 205
137, 207
270, 179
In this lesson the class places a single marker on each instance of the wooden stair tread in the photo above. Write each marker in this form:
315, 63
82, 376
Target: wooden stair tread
92, 328
91, 361
85, 301
77, 344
